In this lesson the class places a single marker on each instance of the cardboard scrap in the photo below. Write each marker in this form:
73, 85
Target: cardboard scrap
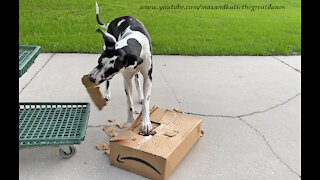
121, 125
107, 151
94, 92
111, 120
102, 146
202, 133
178, 110
110, 130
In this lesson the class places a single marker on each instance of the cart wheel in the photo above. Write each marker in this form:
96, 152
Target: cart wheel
64, 155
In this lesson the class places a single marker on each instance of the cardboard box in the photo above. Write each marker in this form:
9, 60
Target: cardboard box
155, 156
94, 92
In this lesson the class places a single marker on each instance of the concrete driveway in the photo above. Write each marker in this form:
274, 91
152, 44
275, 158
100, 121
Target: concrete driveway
250, 106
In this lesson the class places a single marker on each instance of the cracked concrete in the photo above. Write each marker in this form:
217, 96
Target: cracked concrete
268, 144
282, 126
293, 62
250, 108
228, 83
168, 85
34, 69
249, 114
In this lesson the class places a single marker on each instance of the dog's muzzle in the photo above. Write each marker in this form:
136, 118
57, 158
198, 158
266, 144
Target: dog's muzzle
92, 79
93, 75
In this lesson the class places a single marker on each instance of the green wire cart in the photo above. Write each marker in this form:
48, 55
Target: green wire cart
27, 55
49, 124
60, 124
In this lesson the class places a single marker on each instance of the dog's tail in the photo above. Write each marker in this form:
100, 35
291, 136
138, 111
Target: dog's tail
98, 19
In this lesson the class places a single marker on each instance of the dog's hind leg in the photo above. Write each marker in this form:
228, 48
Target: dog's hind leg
127, 81
107, 95
138, 86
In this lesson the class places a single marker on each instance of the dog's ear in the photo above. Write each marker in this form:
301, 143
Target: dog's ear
130, 57
125, 59
108, 40
119, 62
121, 53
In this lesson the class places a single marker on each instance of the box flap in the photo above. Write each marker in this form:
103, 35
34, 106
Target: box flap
125, 134
128, 133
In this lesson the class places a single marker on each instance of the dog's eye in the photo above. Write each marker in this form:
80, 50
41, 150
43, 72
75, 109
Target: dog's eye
112, 61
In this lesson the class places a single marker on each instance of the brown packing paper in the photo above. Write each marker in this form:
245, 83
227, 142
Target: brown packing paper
155, 156
94, 92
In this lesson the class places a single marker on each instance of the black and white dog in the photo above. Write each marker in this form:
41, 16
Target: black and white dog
127, 49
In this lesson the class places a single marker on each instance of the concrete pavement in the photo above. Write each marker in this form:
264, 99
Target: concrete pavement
250, 106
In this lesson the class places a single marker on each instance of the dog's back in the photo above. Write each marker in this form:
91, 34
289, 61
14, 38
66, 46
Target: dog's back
118, 25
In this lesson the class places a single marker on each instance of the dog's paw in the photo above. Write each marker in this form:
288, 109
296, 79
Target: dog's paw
146, 126
107, 97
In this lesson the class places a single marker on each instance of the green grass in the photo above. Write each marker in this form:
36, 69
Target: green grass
69, 26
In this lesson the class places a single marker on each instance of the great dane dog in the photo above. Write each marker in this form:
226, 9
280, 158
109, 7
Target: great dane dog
127, 49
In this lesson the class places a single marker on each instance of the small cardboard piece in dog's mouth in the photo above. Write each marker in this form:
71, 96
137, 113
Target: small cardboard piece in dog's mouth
94, 92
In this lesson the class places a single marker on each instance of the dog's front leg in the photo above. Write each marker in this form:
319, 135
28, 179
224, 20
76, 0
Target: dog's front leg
138, 86
128, 90
146, 125
107, 95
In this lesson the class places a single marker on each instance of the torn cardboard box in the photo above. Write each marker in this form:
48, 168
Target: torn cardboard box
94, 92
155, 156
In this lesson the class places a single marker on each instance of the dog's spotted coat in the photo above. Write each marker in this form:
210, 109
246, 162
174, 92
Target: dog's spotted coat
127, 49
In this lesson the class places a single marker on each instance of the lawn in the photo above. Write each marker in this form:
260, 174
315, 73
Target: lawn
69, 26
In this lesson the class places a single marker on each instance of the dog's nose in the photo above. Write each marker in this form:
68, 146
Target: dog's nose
92, 79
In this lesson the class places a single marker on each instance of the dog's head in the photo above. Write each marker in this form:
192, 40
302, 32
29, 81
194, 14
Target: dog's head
110, 62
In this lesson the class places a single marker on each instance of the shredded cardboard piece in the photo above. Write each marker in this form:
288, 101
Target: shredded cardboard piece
107, 152
111, 120
171, 133
121, 125
178, 110
202, 133
102, 146
110, 130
